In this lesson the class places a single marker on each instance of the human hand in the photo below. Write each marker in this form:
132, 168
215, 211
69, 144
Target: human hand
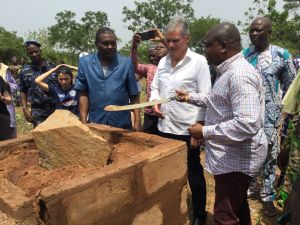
195, 143
157, 111
158, 36
136, 39
28, 116
196, 131
137, 126
182, 96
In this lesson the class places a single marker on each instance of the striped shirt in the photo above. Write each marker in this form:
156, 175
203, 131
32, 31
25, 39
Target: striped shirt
233, 132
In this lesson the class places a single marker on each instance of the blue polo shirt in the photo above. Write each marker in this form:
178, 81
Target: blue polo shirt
113, 89
65, 99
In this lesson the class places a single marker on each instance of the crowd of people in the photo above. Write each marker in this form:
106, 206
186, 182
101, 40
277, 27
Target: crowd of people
228, 100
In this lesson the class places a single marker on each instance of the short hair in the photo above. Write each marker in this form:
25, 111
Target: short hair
104, 30
65, 70
178, 21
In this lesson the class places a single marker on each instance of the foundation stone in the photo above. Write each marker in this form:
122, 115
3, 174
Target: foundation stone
63, 140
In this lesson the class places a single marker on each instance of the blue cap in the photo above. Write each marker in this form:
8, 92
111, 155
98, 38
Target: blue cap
32, 42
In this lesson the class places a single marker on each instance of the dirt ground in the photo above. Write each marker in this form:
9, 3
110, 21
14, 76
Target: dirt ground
255, 205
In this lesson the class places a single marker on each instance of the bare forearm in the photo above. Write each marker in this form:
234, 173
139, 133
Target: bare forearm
24, 99
5, 98
83, 106
40, 79
137, 112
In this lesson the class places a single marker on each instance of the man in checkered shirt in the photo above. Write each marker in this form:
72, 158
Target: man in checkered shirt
236, 145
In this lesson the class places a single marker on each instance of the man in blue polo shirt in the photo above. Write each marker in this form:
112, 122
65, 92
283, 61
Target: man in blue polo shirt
107, 78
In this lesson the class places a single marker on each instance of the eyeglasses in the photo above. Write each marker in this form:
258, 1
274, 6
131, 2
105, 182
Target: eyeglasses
108, 43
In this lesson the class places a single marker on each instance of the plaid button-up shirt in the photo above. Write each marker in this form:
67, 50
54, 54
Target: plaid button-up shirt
233, 132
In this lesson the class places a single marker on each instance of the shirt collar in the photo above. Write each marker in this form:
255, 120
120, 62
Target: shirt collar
188, 55
225, 65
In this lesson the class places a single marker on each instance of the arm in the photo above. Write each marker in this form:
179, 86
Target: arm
136, 112
26, 112
83, 106
23, 93
40, 79
5, 98
155, 95
288, 74
134, 97
12, 82
138, 68
246, 107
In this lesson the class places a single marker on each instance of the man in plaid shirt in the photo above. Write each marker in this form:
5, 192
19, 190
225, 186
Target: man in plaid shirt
236, 145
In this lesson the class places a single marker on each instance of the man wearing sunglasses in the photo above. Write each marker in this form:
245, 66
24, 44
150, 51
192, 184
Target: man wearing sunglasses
107, 78
187, 70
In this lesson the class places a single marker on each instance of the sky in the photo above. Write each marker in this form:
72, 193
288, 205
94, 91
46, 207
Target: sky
23, 16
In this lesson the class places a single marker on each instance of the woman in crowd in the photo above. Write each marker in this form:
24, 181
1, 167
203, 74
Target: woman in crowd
64, 93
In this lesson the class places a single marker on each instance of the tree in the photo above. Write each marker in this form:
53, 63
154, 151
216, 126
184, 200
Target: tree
156, 13
43, 37
198, 29
10, 45
285, 26
75, 37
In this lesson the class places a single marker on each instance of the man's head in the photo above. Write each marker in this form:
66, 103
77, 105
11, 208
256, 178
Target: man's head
34, 52
161, 49
156, 51
106, 42
177, 36
259, 32
14, 60
221, 42
65, 78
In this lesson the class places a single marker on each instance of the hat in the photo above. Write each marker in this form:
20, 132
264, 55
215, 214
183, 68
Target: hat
32, 42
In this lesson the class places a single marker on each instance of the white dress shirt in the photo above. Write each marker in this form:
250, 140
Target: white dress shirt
234, 136
190, 74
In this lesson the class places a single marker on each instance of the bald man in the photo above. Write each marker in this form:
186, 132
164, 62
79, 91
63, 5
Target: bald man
235, 143
276, 68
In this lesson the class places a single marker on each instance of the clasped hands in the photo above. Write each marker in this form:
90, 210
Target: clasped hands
196, 130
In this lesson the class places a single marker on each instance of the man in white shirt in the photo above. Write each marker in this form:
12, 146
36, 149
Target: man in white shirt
187, 70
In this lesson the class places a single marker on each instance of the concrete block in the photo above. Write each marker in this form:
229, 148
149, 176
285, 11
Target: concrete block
64, 141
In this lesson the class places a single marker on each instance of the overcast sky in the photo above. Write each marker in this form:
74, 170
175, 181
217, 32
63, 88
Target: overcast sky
25, 15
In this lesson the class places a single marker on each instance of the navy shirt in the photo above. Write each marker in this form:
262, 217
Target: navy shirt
65, 99
113, 89
35, 95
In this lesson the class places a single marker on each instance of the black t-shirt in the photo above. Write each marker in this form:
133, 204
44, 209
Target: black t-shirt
3, 87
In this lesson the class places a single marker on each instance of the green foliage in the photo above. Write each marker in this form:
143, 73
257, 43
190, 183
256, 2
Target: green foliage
198, 29
48, 51
286, 26
142, 51
75, 37
10, 45
156, 13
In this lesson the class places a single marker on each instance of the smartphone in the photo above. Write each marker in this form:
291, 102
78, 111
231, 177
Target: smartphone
147, 35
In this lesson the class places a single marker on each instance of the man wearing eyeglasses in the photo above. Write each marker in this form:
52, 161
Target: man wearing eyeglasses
107, 78
187, 70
